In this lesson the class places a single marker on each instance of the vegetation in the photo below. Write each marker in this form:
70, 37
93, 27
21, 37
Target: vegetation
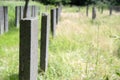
83, 49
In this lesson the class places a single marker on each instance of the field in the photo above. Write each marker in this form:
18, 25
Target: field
83, 49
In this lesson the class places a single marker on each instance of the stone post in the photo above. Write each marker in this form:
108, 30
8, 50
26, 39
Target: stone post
53, 21
1, 20
57, 15
5, 18
93, 13
17, 16
87, 9
28, 67
44, 42
110, 11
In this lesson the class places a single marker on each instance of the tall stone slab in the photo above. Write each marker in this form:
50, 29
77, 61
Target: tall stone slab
53, 21
28, 58
17, 16
33, 11
5, 18
21, 12
44, 42
57, 15
87, 10
110, 11
29, 12
1, 20
93, 12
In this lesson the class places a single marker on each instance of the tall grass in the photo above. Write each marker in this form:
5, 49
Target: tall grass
83, 49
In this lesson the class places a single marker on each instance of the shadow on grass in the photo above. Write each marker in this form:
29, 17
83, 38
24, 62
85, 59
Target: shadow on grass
12, 77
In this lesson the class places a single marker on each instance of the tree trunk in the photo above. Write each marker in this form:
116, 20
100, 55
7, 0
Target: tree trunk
25, 9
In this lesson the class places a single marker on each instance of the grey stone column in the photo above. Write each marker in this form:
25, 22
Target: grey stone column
53, 22
33, 11
44, 42
29, 12
17, 16
5, 18
1, 20
87, 10
57, 15
28, 58
21, 12
93, 13
111, 10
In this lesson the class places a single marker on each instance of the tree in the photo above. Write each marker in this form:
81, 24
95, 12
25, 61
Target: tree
25, 9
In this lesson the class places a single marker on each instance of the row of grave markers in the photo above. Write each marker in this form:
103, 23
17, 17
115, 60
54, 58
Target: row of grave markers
28, 59
32, 11
3, 19
115, 8
4, 27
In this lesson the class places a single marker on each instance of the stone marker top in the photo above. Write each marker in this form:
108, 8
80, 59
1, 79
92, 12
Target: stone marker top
30, 18
44, 14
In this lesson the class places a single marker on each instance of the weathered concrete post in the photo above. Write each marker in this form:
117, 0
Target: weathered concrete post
33, 11
5, 19
1, 20
102, 9
17, 16
57, 15
44, 42
28, 67
53, 21
29, 12
93, 13
87, 9
110, 10
21, 12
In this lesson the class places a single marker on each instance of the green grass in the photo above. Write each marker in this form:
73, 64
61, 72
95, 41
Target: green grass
83, 49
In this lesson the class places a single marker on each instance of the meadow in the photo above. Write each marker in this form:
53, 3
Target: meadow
83, 49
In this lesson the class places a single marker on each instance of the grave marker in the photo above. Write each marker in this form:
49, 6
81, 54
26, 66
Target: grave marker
93, 13
44, 42
1, 20
57, 15
87, 9
53, 21
28, 67
5, 18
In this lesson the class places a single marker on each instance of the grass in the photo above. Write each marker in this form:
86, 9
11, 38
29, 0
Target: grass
83, 49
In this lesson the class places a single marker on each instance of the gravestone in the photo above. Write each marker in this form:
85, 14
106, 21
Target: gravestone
44, 42
110, 10
31, 12
3, 19
116, 8
93, 13
21, 12
87, 9
17, 15
57, 15
28, 58
53, 21
34, 11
